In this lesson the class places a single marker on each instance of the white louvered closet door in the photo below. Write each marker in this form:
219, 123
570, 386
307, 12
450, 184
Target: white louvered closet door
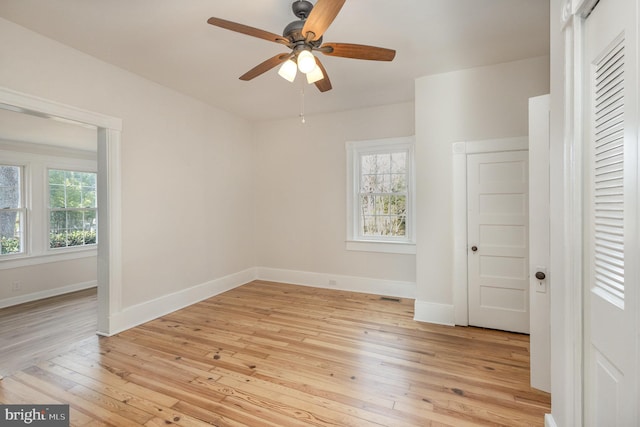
611, 256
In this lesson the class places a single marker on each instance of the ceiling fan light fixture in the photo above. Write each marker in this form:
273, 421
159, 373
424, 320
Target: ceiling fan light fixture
306, 61
288, 70
302, 37
315, 75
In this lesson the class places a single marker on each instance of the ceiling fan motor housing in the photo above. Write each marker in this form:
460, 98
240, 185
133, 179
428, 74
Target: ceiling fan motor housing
293, 31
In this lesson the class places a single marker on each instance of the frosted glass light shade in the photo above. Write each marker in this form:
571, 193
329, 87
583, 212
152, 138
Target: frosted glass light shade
314, 75
306, 61
288, 70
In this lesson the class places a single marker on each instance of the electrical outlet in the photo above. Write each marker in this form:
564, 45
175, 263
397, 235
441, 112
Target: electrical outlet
16, 286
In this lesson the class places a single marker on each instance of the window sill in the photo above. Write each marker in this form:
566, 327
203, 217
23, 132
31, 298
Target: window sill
386, 247
28, 260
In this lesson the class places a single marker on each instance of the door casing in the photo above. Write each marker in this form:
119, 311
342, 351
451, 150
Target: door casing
567, 114
460, 269
109, 193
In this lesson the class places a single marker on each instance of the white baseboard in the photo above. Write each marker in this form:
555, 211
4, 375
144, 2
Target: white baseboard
549, 421
146, 311
431, 312
21, 299
393, 288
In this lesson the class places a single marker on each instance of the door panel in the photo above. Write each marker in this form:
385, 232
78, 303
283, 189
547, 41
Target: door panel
497, 202
611, 253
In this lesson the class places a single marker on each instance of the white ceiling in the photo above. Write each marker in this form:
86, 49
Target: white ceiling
170, 42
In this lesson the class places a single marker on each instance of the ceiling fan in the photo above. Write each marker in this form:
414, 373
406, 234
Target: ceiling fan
304, 36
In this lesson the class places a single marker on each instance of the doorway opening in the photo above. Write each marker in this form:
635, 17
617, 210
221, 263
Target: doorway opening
109, 192
460, 214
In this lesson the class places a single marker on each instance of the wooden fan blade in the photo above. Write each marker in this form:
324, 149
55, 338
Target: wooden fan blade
358, 51
265, 66
321, 16
250, 31
324, 84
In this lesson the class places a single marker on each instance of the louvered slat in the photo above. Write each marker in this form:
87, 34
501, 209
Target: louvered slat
608, 173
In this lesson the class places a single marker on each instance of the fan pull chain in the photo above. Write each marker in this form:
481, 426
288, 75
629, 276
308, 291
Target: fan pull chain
302, 105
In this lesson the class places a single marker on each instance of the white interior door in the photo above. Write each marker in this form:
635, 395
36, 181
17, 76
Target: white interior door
539, 238
611, 215
497, 217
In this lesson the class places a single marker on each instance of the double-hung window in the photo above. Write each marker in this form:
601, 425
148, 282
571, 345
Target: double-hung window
72, 208
48, 204
12, 210
380, 195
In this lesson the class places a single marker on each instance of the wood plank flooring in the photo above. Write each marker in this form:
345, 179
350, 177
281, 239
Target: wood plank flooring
30, 332
270, 354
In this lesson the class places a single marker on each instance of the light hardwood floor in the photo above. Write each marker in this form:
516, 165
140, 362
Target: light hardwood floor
270, 354
31, 332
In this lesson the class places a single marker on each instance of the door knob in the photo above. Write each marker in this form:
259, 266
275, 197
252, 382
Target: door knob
540, 275
474, 248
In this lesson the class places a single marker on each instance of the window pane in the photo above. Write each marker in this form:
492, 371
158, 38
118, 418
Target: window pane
10, 187
379, 205
89, 180
366, 204
367, 164
401, 205
75, 219
73, 200
57, 196
368, 183
58, 222
384, 182
72, 228
88, 198
369, 225
69, 189
398, 183
387, 223
399, 162
11, 215
383, 163
10, 232
90, 220
73, 194
57, 240
56, 177
400, 226
393, 208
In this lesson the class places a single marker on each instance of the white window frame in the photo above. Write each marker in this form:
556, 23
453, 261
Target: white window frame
23, 210
36, 161
355, 241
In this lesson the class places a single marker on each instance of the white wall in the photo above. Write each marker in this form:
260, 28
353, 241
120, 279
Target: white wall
187, 179
45, 280
301, 195
466, 105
